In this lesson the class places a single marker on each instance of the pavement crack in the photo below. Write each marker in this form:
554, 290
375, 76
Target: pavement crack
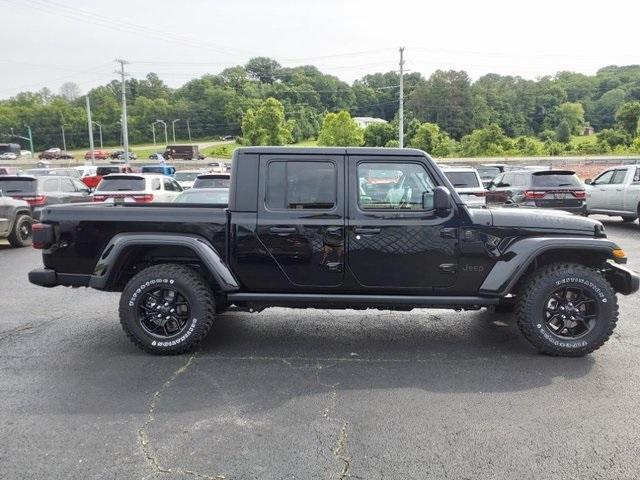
339, 453
144, 441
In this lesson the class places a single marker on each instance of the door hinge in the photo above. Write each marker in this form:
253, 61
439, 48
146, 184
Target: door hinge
449, 232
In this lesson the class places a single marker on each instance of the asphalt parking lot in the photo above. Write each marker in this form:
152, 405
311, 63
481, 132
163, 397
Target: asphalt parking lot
308, 394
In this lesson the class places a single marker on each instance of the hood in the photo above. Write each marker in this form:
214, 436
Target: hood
542, 219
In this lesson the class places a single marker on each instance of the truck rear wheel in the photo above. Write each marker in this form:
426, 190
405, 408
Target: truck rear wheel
20, 236
567, 310
167, 309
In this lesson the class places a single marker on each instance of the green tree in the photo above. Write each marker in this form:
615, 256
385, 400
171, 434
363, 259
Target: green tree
563, 132
485, 142
627, 117
263, 69
266, 125
573, 114
431, 139
613, 137
339, 129
378, 134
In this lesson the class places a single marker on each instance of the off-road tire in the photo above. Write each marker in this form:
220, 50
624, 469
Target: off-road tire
536, 291
191, 286
16, 238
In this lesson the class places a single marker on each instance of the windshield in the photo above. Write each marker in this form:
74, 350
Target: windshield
133, 184
18, 185
209, 182
186, 176
556, 180
463, 179
219, 196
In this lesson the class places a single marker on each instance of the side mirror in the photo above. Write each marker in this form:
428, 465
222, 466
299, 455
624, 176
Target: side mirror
588, 181
441, 199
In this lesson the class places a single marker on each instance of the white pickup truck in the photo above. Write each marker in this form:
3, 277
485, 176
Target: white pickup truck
615, 192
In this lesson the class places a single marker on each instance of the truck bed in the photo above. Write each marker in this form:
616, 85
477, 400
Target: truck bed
87, 228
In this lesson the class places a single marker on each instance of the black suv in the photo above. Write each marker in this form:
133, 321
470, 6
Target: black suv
555, 189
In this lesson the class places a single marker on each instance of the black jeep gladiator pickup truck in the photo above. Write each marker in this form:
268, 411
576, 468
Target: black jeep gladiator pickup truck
337, 228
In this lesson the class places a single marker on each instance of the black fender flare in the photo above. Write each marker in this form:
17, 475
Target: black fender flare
515, 260
112, 256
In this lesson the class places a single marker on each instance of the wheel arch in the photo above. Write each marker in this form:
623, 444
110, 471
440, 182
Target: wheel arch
127, 253
527, 255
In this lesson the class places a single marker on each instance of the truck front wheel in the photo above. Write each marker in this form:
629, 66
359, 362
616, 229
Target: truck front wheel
167, 309
567, 310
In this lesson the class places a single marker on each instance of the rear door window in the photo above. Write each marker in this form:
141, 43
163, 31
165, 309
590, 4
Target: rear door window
387, 186
301, 185
618, 177
66, 185
50, 185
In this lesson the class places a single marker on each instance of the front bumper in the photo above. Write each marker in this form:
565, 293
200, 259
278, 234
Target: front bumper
623, 279
46, 277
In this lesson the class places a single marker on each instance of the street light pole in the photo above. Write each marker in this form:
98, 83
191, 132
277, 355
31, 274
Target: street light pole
173, 128
189, 130
166, 137
90, 125
125, 133
64, 140
153, 132
401, 102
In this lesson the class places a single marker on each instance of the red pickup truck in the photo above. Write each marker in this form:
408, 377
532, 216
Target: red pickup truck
92, 181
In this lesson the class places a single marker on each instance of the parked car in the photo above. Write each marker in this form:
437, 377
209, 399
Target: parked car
468, 184
159, 157
97, 154
183, 152
119, 155
186, 178
92, 181
556, 189
8, 156
26, 153
15, 221
55, 154
615, 192
65, 172
218, 167
168, 170
297, 233
217, 196
137, 188
212, 180
40, 192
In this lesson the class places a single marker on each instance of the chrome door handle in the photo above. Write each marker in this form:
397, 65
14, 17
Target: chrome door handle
282, 229
366, 230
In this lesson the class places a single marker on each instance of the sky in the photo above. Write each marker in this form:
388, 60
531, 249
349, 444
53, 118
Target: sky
49, 42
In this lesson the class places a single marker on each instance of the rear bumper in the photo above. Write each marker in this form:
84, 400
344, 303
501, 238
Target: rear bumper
46, 277
623, 279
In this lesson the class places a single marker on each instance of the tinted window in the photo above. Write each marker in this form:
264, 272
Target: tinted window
556, 180
383, 186
301, 185
636, 176
170, 186
519, 180
605, 178
488, 172
463, 179
212, 182
102, 171
160, 170
121, 184
186, 176
507, 180
50, 185
18, 185
619, 176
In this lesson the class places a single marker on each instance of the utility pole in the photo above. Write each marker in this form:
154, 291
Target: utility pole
173, 128
64, 139
401, 102
166, 138
100, 129
90, 124
153, 132
189, 130
125, 133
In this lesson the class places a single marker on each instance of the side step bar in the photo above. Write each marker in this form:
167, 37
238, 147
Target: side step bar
301, 299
